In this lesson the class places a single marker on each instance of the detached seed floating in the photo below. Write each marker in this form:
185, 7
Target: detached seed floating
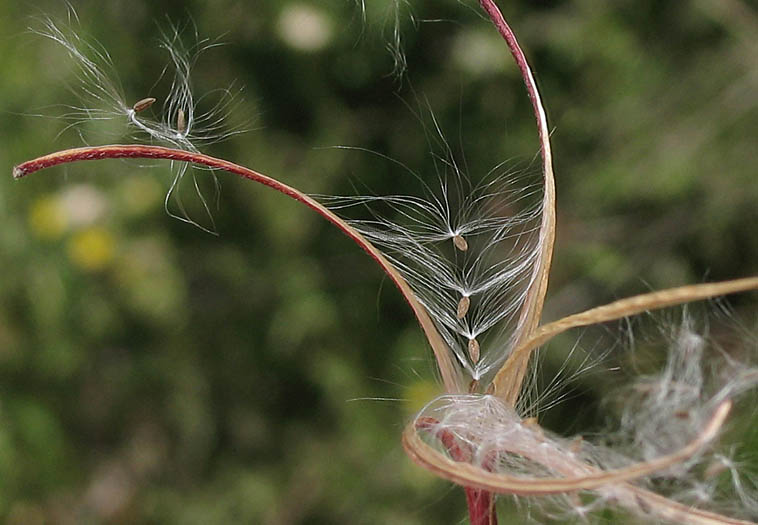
460, 242
473, 350
142, 105
181, 122
463, 306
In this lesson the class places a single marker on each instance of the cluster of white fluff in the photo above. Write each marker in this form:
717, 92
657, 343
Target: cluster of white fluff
181, 124
661, 411
660, 414
466, 249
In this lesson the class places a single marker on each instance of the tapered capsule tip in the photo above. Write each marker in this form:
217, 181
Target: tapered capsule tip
18, 172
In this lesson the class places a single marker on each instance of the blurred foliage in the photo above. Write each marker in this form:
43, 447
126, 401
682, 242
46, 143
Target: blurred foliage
153, 373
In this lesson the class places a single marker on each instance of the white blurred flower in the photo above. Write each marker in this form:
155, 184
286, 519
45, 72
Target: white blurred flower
304, 28
82, 204
478, 52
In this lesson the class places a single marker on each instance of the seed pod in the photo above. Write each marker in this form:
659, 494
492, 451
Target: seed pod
460, 242
142, 105
463, 306
181, 122
473, 350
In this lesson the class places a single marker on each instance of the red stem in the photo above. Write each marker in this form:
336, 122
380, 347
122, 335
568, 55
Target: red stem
481, 506
481, 503
132, 151
518, 55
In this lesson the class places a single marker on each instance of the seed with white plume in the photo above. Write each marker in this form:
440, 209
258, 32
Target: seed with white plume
463, 306
181, 122
460, 242
473, 350
181, 126
142, 105
502, 212
102, 97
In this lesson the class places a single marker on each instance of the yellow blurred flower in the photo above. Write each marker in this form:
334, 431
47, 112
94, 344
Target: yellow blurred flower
47, 218
92, 248
418, 394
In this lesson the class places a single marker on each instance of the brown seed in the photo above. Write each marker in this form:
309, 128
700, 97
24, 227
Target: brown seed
473, 387
714, 469
473, 350
142, 105
181, 122
460, 243
463, 305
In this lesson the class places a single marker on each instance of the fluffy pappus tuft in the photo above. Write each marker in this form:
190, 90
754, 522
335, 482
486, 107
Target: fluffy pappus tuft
467, 250
662, 463
180, 123
659, 411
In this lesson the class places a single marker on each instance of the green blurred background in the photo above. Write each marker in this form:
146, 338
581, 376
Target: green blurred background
153, 373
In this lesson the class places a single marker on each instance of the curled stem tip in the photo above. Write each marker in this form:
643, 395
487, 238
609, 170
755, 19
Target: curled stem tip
580, 476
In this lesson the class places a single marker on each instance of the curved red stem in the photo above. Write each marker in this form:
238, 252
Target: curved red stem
448, 370
481, 503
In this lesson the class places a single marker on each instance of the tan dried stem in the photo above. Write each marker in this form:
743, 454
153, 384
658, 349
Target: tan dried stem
623, 308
